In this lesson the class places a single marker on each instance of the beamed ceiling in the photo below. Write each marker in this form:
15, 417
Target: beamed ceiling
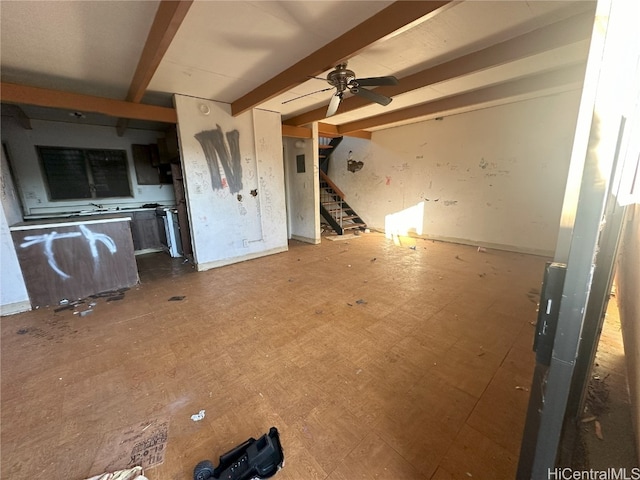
119, 63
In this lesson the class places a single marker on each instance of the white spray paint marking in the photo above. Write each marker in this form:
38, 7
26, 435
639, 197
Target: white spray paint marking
101, 237
48, 238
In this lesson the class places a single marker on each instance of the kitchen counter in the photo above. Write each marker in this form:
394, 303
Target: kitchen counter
72, 258
56, 222
89, 213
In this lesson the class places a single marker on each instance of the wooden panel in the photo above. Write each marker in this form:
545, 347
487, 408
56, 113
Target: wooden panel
144, 230
181, 203
72, 262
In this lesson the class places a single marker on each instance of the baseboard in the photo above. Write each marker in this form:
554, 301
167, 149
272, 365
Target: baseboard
313, 241
228, 261
489, 245
13, 308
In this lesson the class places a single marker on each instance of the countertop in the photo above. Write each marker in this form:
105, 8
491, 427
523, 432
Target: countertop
70, 221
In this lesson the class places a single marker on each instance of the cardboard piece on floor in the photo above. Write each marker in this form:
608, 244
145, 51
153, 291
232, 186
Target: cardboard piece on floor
346, 236
143, 444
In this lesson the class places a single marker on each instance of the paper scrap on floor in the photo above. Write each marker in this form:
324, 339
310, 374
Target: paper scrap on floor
134, 473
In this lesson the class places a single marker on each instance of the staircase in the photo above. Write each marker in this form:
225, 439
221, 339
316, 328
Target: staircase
333, 207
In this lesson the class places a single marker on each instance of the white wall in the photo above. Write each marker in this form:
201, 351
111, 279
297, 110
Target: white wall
13, 291
303, 198
26, 165
230, 226
493, 177
9, 193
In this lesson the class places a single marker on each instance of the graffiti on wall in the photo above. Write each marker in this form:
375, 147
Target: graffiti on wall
222, 154
47, 239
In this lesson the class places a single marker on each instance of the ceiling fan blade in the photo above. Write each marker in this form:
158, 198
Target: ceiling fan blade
334, 104
307, 94
373, 96
376, 81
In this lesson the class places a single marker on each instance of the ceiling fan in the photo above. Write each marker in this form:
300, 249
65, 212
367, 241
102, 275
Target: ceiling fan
342, 79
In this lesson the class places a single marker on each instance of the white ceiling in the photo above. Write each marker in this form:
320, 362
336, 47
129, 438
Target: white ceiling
225, 49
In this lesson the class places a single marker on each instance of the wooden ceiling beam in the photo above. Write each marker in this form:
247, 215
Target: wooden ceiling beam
166, 23
567, 76
296, 132
561, 33
328, 130
397, 16
169, 17
44, 97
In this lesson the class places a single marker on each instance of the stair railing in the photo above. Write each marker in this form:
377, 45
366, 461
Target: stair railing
329, 182
330, 194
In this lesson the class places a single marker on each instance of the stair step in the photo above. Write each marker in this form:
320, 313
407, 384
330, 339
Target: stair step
354, 226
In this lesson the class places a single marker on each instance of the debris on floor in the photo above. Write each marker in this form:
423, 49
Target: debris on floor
114, 298
198, 416
346, 236
110, 293
109, 296
177, 298
597, 401
135, 473
598, 430
66, 306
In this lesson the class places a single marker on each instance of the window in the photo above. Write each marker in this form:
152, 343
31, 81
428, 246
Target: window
76, 173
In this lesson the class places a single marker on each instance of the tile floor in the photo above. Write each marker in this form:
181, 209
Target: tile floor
375, 359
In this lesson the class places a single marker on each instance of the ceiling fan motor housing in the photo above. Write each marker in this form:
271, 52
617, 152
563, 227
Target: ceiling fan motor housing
341, 77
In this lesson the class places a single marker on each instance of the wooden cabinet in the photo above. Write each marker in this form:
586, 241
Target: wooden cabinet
71, 259
145, 230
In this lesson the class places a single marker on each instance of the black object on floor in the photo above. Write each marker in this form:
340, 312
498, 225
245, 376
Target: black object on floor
260, 458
